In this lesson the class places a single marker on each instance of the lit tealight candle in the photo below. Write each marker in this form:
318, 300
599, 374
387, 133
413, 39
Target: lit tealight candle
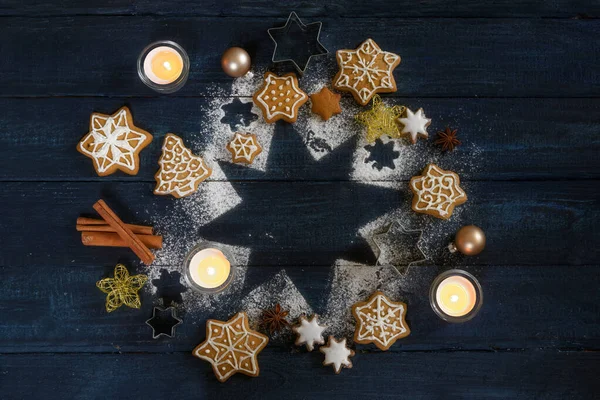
208, 269
456, 296
164, 66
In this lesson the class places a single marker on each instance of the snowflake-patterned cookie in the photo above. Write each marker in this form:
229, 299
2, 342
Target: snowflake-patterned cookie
114, 143
280, 97
337, 354
231, 347
244, 148
180, 171
436, 192
380, 320
366, 71
414, 124
309, 332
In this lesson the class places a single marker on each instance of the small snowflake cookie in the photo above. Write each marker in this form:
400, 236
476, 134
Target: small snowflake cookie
337, 354
436, 192
366, 71
180, 171
280, 98
414, 124
114, 143
309, 332
380, 320
244, 148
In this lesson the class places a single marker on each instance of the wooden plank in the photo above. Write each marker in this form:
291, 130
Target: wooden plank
50, 308
327, 8
441, 57
539, 375
527, 223
503, 139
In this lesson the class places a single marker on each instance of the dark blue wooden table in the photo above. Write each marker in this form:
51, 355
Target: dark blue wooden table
519, 80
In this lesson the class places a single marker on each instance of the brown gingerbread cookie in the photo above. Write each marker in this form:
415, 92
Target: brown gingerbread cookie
325, 103
280, 97
436, 192
244, 147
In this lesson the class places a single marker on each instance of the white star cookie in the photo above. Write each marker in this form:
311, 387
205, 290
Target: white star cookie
309, 332
380, 320
337, 354
415, 124
244, 148
114, 143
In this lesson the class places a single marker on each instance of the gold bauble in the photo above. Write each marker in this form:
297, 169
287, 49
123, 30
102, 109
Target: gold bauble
470, 240
235, 62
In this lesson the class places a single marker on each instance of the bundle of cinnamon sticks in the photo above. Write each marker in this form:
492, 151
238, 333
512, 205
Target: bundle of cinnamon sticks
110, 231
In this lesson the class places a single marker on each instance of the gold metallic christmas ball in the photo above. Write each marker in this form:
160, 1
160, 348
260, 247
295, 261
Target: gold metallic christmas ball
470, 240
235, 62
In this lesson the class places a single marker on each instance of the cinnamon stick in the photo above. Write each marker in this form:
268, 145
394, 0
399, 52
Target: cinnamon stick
111, 239
138, 229
124, 232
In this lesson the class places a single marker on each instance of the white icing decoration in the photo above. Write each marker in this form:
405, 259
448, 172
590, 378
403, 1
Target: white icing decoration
232, 352
437, 190
309, 332
380, 321
415, 124
338, 354
191, 170
114, 142
244, 146
365, 69
271, 111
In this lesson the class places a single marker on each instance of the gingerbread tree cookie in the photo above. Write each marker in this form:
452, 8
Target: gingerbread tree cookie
231, 347
436, 192
244, 147
366, 71
180, 171
114, 143
380, 320
280, 98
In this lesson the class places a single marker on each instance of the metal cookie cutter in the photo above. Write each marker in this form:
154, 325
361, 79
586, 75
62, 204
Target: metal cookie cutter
396, 255
163, 322
296, 42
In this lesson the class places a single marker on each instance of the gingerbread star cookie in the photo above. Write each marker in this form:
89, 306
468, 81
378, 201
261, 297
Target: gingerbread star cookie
309, 332
380, 320
414, 124
114, 143
325, 103
366, 71
337, 354
280, 98
436, 192
231, 347
244, 148
180, 171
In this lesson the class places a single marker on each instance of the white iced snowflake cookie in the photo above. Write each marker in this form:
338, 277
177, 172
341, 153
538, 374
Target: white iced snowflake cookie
380, 320
309, 332
244, 147
337, 354
280, 97
436, 192
415, 124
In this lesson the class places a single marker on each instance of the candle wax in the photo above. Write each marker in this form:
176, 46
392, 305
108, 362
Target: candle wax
456, 296
163, 65
209, 268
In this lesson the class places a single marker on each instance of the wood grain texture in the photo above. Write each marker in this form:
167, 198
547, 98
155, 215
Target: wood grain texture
517, 139
533, 374
326, 8
95, 56
559, 219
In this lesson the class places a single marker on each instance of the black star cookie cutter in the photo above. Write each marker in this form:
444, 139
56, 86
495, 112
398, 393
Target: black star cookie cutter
163, 322
390, 246
297, 43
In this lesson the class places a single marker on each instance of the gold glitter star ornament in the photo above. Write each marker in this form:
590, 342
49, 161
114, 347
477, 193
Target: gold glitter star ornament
381, 120
122, 289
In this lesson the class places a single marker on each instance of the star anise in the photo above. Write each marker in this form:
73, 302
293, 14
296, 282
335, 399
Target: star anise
447, 139
274, 319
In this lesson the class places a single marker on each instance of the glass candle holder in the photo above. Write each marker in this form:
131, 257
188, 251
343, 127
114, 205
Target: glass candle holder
456, 296
164, 66
209, 268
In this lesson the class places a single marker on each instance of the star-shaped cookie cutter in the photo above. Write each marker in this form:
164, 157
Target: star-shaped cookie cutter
293, 39
164, 323
388, 229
